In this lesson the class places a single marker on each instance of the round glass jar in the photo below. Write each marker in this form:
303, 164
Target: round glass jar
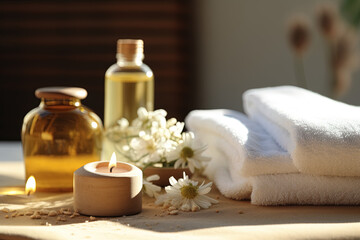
58, 137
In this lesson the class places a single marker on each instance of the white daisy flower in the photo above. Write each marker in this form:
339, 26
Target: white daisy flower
146, 147
186, 195
151, 139
151, 189
187, 154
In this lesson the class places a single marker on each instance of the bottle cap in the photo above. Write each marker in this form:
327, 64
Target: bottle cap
130, 48
61, 92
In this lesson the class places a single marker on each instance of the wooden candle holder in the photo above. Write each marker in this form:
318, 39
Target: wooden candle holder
108, 194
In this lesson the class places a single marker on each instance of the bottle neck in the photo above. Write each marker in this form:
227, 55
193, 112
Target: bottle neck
60, 104
136, 60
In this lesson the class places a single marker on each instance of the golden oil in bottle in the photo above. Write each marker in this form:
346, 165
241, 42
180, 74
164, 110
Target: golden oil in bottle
58, 137
125, 93
129, 84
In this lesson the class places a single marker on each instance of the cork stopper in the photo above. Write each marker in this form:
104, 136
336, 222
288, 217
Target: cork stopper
61, 92
130, 48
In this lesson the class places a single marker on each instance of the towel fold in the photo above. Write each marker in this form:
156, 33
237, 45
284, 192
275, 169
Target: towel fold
303, 189
321, 135
246, 162
249, 148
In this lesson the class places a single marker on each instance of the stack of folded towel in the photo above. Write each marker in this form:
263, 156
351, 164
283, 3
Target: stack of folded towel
293, 147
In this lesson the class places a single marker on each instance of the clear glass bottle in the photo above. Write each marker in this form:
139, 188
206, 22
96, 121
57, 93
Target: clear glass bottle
129, 83
58, 137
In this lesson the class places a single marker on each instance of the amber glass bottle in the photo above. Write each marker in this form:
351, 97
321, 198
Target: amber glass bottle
58, 137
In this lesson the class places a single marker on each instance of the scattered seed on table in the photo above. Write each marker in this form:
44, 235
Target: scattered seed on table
52, 213
5, 210
35, 216
65, 209
44, 212
29, 213
174, 212
171, 208
62, 219
62, 210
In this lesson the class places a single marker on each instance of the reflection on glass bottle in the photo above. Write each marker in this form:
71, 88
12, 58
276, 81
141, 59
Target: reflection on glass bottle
60, 136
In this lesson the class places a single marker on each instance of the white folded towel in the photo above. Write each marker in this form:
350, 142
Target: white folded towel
251, 152
245, 161
321, 135
303, 189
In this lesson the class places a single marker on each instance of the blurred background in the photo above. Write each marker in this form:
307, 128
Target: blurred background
204, 53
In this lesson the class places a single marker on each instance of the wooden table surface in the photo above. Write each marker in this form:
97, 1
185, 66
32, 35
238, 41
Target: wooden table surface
229, 219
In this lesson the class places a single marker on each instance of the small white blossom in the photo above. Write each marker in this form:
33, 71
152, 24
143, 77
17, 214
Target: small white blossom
187, 154
151, 189
123, 123
171, 122
151, 140
146, 147
148, 120
186, 195
176, 130
120, 131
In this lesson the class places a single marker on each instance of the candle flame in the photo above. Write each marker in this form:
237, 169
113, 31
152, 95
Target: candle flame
30, 186
112, 162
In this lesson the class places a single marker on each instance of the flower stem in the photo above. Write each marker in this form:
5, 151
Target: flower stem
329, 74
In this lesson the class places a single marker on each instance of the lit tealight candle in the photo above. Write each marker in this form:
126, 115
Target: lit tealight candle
108, 189
30, 186
20, 191
112, 166
112, 163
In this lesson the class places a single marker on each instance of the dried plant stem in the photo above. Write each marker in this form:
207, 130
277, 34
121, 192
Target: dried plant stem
300, 72
329, 73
